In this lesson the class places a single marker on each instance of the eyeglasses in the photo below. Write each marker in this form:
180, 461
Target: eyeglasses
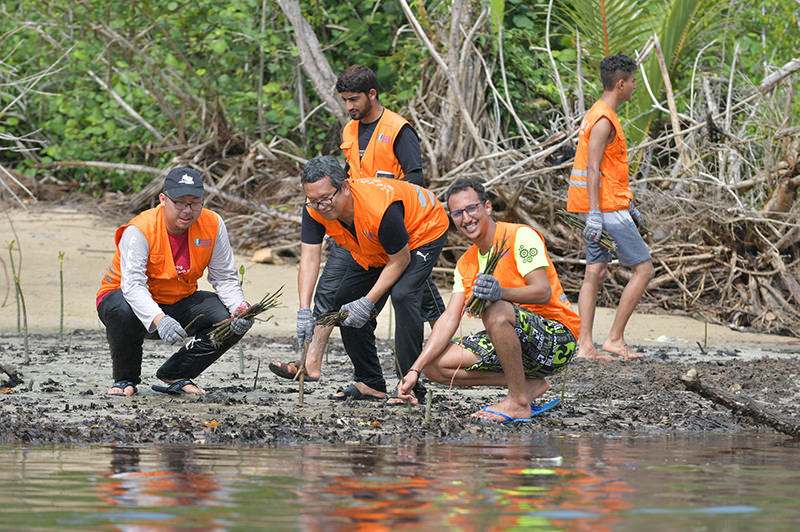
183, 205
469, 209
323, 203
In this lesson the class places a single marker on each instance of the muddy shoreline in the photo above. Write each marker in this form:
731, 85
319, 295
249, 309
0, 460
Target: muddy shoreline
62, 398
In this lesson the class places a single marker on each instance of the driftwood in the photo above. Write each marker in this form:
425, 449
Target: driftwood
14, 376
741, 405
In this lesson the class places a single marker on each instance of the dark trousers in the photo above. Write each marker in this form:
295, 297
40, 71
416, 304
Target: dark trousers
339, 262
126, 335
406, 296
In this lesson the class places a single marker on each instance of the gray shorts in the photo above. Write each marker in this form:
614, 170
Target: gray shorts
547, 346
630, 250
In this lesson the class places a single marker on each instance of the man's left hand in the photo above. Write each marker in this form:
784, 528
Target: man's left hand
239, 326
487, 287
358, 312
638, 219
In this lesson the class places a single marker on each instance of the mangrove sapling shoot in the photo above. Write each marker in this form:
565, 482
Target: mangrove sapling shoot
24, 320
255, 380
241, 349
16, 285
61, 292
402, 377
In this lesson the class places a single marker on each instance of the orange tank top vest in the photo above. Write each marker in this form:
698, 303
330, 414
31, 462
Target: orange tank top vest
163, 281
615, 192
506, 272
425, 218
379, 154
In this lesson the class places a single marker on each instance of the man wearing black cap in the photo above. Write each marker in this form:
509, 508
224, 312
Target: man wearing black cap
150, 288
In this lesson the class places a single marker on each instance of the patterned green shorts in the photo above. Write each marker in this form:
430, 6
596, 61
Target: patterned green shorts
547, 346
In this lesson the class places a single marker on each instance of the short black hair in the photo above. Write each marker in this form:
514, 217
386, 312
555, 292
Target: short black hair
357, 78
323, 166
614, 67
466, 183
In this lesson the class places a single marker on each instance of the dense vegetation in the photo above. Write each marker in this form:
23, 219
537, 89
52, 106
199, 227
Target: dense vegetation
181, 66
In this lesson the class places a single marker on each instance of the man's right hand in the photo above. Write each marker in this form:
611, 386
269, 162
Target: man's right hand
170, 330
594, 226
305, 326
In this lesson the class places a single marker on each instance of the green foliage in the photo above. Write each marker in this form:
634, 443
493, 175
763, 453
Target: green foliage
177, 63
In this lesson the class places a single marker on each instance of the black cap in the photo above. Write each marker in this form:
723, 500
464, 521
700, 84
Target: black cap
183, 182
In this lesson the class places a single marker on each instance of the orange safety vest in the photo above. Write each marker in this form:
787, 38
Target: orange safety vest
425, 218
163, 281
615, 193
506, 272
379, 155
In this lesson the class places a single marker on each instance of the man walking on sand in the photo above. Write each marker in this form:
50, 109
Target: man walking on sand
376, 143
530, 327
394, 232
150, 288
599, 186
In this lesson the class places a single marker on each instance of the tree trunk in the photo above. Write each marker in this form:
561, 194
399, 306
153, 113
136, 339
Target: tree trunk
312, 59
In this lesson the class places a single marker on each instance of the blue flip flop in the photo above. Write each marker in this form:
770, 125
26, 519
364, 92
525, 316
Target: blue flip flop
508, 419
121, 385
176, 388
536, 410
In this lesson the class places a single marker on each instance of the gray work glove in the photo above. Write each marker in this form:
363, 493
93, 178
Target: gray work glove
594, 226
170, 330
358, 312
487, 287
638, 219
239, 326
305, 327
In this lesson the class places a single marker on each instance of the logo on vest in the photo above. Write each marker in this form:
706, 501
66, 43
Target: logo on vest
186, 179
369, 234
203, 242
386, 139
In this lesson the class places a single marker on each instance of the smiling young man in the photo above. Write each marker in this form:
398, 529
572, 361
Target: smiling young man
150, 288
530, 328
599, 188
394, 232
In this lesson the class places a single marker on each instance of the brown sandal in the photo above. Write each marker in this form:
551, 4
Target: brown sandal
289, 371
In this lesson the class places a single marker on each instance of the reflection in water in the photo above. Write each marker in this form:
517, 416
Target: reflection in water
554, 483
179, 482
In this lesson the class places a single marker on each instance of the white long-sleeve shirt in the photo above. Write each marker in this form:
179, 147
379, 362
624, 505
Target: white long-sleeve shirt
134, 251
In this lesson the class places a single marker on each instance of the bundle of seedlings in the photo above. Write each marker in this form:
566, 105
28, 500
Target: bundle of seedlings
222, 330
575, 221
336, 318
476, 305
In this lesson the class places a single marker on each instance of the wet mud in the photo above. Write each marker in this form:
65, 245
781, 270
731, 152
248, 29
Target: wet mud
61, 398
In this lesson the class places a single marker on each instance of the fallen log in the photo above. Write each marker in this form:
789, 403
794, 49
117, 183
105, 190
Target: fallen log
14, 375
741, 405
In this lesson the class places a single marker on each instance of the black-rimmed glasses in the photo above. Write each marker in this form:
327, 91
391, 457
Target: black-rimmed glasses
183, 205
322, 203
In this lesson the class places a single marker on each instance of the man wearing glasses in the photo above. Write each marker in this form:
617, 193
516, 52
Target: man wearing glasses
530, 330
394, 232
150, 288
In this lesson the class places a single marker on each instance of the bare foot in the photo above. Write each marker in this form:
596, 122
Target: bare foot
514, 411
591, 353
534, 388
622, 349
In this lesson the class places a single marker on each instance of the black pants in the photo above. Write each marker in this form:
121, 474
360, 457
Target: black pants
339, 261
126, 334
406, 295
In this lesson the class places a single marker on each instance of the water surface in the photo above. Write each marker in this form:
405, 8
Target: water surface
712, 482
